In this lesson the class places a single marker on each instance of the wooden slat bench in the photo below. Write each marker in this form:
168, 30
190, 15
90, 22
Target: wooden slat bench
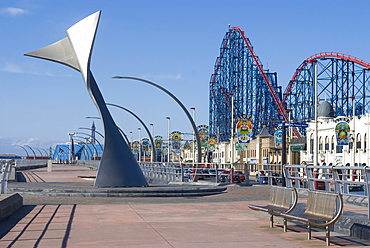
322, 210
282, 200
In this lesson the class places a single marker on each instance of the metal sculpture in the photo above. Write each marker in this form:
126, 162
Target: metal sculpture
118, 167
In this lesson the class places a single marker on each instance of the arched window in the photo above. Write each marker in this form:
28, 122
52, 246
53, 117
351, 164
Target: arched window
332, 142
320, 144
358, 141
326, 143
350, 144
365, 143
311, 143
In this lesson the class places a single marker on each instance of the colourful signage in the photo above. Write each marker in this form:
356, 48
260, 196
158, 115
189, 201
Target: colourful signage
244, 130
342, 133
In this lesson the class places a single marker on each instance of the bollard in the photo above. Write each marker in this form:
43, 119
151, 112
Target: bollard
50, 166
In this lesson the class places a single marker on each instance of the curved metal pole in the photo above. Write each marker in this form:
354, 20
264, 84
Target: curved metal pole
101, 147
199, 148
34, 154
23, 149
91, 129
46, 152
39, 151
123, 133
154, 155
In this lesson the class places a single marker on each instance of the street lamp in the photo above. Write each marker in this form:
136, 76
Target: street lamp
169, 138
139, 144
194, 119
72, 157
232, 127
131, 140
152, 152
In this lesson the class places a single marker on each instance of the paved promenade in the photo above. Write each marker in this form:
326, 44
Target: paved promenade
220, 220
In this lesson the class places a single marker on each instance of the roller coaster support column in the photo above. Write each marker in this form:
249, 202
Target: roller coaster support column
283, 153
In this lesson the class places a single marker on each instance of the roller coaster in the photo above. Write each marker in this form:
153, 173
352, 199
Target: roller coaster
342, 80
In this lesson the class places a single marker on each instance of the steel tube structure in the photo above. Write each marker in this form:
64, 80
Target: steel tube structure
179, 103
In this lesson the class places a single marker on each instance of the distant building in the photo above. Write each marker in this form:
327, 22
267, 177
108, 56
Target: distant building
10, 156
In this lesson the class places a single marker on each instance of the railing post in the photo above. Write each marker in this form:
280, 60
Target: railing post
367, 177
246, 173
310, 178
286, 177
2, 169
336, 180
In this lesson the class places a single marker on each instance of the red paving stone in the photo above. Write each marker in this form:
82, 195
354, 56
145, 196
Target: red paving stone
157, 225
154, 225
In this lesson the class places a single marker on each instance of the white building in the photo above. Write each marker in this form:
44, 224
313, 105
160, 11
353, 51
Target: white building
329, 152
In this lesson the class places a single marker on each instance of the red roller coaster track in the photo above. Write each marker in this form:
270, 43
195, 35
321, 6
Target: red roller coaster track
277, 100
323, 55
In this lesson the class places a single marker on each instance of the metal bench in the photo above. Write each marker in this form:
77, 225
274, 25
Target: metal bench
282, 200
322, 210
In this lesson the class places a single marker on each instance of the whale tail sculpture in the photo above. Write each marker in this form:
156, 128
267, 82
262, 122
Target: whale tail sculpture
118, 167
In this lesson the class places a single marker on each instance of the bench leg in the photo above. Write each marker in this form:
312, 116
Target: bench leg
271, 221
309, 231
285, 221
327, 235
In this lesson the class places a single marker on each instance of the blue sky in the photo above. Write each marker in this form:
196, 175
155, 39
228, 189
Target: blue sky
172, 43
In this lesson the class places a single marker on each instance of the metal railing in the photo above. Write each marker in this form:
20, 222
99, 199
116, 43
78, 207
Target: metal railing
5, 169
194, 172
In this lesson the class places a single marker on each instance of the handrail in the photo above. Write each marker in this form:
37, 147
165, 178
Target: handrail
4, 176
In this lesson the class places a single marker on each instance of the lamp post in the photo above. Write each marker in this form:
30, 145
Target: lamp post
139, 144
169, 138
353, 132
152, 152
316, 150
194, 119
72, 157
131, 140
232, 128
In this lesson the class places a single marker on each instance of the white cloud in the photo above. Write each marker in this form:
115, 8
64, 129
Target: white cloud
12, 68
13, 12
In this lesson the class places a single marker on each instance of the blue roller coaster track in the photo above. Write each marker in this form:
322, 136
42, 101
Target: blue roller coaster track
343, 81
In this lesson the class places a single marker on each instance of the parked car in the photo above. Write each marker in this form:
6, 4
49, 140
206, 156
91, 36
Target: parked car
356, 189
264, 180
278, 177
240, 174
225, 178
